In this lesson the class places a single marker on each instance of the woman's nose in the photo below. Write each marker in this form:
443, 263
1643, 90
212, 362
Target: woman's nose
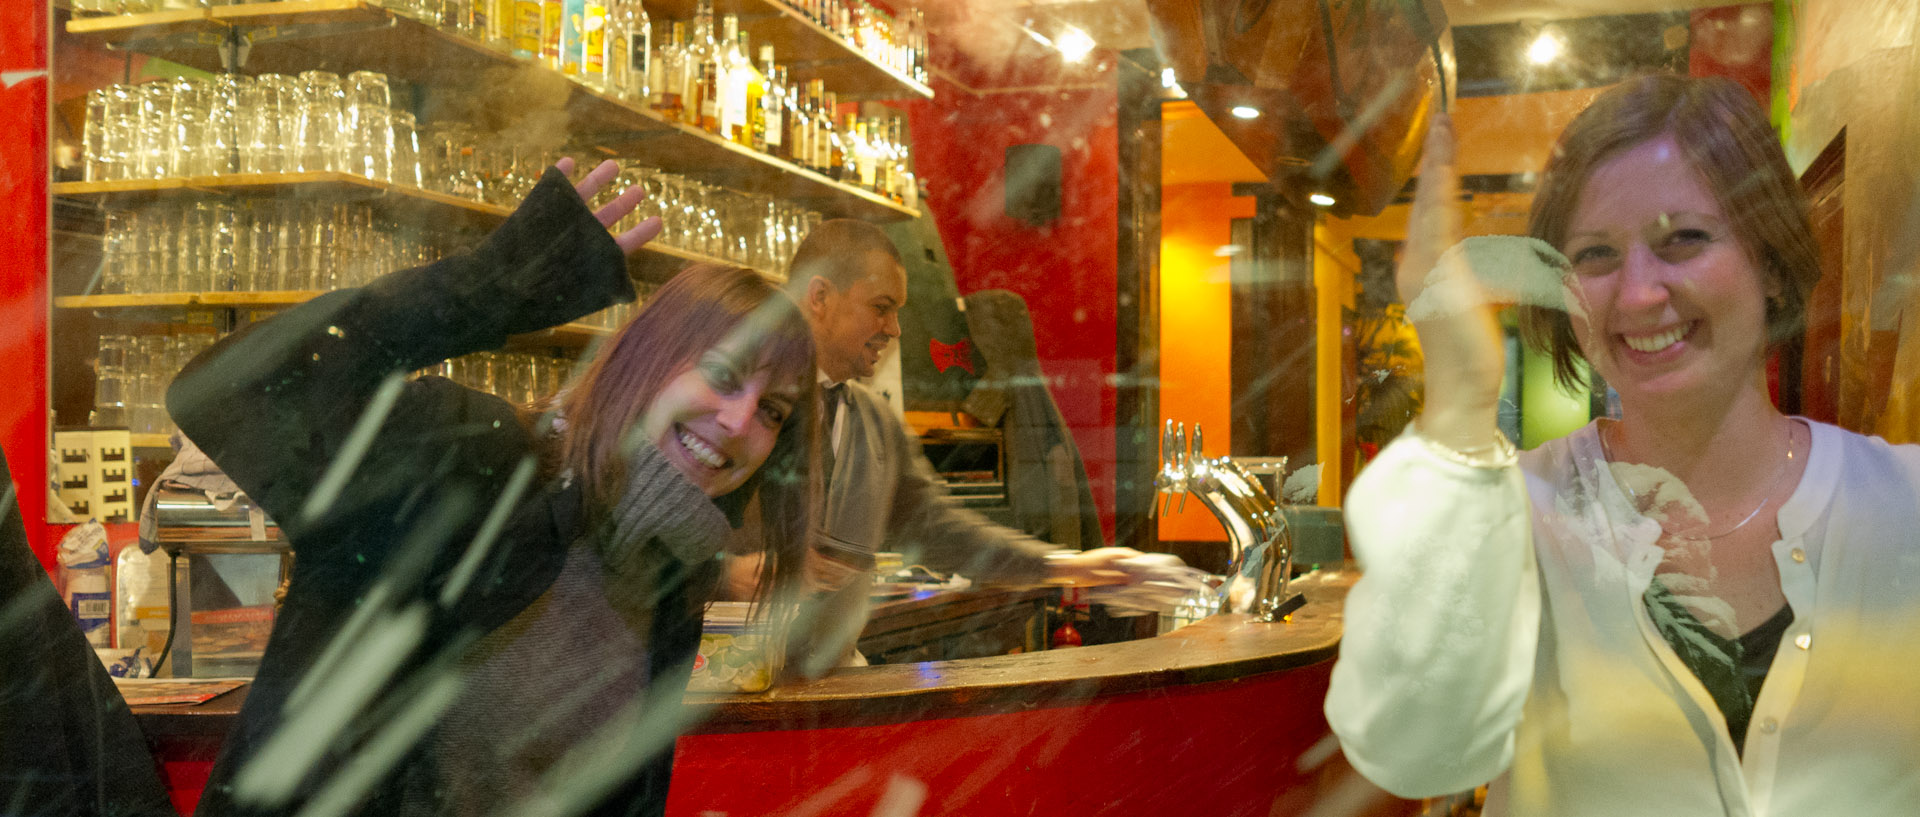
1643, 279
737, 410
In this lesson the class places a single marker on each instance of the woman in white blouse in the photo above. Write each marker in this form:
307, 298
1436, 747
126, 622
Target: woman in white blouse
1705, 608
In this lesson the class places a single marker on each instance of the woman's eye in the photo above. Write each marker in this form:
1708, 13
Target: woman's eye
773, 414
1680, 245
1592, 259
720, 377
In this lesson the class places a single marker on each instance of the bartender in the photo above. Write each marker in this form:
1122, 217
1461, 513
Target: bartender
881, 493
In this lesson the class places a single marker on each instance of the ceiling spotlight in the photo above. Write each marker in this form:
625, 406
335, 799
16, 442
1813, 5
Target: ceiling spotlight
1545, 48
1074, 44
1167, 79
1246, 112
1321, 199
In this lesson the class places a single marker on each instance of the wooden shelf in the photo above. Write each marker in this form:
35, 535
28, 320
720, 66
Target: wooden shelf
347, 35
408, 205
151, 441
809, 50
568, 335
402, 203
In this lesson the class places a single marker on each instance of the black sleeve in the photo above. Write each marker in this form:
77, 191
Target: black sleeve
278, 405
68, 744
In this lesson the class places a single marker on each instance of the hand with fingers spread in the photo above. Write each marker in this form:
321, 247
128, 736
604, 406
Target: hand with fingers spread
612, 212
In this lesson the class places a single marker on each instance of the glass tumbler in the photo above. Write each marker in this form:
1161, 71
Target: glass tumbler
186, 129
369, 102
406, 149
220, 140
322, 118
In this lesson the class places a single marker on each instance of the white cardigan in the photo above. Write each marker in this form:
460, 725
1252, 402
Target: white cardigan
1499, 628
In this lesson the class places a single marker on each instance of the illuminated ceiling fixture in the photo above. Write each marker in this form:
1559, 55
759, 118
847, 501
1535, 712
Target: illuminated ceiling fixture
1321, 199
1167, 79
1545, 48
1074, 44
1246, 112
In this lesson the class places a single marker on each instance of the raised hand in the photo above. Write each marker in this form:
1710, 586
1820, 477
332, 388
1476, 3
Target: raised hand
623, 204
1450, 310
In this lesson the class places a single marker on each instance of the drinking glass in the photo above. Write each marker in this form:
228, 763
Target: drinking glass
269, 120
223, 248
220, 146
155, 110
186, 128
369, 103
116, 248
406, 149
322, 119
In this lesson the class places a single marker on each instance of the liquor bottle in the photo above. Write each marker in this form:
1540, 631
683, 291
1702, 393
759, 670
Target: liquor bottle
500, 20
759, 96
736, 84
629, 51
593, 43
668, 93
528, 17
840, 158
553, 14
900, 177
707, 56
866, 154
774, 108
572, 36
823, 156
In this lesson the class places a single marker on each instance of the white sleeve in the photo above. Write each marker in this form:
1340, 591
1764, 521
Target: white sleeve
1440, 629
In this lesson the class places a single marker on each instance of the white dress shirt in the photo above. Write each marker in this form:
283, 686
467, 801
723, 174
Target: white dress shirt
1499, 631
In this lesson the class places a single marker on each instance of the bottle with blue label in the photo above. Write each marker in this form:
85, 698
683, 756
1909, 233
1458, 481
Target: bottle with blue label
83, 577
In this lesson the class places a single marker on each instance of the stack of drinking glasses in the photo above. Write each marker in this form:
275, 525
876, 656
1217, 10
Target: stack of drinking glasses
516, 377
272, 123
132, 377
265, 245
748, 229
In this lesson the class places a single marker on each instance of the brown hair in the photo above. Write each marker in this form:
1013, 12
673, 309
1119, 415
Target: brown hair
689, 315
832, 249
1725, 136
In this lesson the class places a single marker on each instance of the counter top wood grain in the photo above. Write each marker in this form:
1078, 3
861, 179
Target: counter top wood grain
1221, 648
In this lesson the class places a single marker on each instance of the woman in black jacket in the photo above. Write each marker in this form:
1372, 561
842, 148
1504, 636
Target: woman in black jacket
489, 613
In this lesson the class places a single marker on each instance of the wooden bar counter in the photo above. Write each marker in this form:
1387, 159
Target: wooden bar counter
1218, 718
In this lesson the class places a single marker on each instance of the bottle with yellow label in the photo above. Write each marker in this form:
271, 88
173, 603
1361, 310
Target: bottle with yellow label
527, 28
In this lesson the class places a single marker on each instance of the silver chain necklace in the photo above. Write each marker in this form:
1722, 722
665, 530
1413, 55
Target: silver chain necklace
1606, 449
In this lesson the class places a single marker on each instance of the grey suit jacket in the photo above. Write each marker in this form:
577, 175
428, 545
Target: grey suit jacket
884, 496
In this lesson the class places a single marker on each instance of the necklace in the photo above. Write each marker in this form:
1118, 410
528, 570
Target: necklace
1773, 489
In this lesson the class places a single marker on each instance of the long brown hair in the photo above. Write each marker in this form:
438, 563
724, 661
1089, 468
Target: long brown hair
694, 311
1725, 136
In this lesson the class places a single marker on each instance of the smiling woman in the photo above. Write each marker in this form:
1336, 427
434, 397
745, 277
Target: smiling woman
1597, 622
473, 559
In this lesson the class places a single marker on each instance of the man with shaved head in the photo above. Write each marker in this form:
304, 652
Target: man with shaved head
881, 493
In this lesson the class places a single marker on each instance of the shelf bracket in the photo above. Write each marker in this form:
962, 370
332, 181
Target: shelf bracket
234, 50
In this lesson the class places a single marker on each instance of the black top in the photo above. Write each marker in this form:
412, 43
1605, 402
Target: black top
382, 485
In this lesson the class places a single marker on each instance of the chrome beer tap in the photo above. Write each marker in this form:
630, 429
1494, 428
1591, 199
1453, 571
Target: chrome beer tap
1255, 527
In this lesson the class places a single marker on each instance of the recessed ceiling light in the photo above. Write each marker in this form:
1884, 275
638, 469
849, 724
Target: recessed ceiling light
1545, 48
1167, 79
1321, 199
1074, 44
1246, 112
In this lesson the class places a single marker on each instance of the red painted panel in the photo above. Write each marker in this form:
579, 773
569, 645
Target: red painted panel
23, 260
1065, 270
1735, 42
1256, 746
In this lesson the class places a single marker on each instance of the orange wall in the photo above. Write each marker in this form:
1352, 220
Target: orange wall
1196, 331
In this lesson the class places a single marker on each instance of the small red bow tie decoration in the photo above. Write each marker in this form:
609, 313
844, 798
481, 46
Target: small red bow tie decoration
947, 356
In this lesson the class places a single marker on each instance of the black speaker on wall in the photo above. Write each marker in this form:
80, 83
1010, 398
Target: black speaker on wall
1032, 174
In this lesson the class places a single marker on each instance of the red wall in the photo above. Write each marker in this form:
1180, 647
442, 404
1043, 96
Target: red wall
23, 260
1065, 270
